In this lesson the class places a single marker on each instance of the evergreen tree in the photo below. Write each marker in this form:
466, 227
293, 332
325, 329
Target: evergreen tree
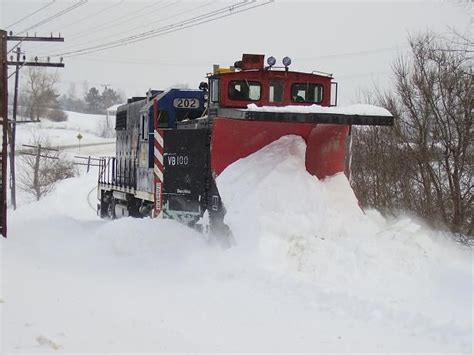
93, 101
110, 97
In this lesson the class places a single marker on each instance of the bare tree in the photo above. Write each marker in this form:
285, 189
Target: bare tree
39, 93
41, 168
426, 164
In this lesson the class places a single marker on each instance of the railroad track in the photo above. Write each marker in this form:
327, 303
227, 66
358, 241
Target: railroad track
92, 205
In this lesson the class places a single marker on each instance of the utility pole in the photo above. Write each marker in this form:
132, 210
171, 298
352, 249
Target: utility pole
4, 38
13, 133
4, 122
18, 65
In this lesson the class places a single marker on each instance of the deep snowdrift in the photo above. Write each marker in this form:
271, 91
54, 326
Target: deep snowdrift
299, 223
308, 272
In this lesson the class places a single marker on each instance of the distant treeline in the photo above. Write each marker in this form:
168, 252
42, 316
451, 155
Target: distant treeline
93, 101
39, 97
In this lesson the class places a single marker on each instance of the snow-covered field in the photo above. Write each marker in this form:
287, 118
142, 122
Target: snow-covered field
65, 134
307, 272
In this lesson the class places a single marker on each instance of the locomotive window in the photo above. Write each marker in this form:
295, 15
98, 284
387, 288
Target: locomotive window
214, 90
276, 91
188, 115
244, 90
310, 93
121, 120
163, 119
144, 136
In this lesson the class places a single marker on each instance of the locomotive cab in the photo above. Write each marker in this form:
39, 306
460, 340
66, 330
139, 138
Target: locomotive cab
250, 82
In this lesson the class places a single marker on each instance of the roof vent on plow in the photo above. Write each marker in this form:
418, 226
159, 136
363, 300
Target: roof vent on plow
250, 61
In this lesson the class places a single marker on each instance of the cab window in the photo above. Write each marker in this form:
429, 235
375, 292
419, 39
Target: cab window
307, 92
214, 90
245, 90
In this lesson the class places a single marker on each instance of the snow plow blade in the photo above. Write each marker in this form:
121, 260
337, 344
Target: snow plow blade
239, 133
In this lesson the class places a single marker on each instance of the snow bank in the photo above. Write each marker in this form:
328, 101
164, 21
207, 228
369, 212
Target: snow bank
310, 272
296, 223
77, 122
359, 109
65, 133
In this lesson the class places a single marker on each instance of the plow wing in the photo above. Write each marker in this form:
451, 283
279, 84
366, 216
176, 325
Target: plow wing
239, 133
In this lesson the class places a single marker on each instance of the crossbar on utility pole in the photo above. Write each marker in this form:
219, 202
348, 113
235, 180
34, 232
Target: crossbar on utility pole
36, 64
35, 38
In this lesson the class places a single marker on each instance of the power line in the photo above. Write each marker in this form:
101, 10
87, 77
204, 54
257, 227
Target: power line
87, 17
55, 16
170, 17
115, 22
161, 19
138, 62
31, 14
179, 28
181, 25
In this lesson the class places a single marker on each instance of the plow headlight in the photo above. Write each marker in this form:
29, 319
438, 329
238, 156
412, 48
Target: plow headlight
271, 61
286, 61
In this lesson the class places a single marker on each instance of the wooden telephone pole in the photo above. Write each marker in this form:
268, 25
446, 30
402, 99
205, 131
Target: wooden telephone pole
4, 118
13, 133
4, 37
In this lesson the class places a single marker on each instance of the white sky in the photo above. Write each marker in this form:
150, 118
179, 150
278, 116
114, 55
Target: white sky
356, 41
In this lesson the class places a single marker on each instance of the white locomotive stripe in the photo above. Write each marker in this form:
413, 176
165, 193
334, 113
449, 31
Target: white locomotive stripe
158, 173
158, 156
158, 138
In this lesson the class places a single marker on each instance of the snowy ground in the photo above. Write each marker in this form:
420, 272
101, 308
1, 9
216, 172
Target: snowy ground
65, 133
308, 272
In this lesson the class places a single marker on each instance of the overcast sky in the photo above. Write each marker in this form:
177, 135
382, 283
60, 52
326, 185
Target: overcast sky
355, 41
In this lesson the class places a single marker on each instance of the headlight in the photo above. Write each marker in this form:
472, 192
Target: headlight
271, 61
286, 61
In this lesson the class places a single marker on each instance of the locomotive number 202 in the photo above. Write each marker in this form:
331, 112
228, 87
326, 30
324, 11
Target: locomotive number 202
186, 103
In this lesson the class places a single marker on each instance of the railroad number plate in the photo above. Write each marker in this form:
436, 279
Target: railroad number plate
186, 103
177, 160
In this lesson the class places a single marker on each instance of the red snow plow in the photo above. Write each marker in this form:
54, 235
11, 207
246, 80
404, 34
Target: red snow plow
171, 145
254, 105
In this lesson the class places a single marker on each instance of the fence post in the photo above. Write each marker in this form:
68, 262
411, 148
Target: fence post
36, 173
